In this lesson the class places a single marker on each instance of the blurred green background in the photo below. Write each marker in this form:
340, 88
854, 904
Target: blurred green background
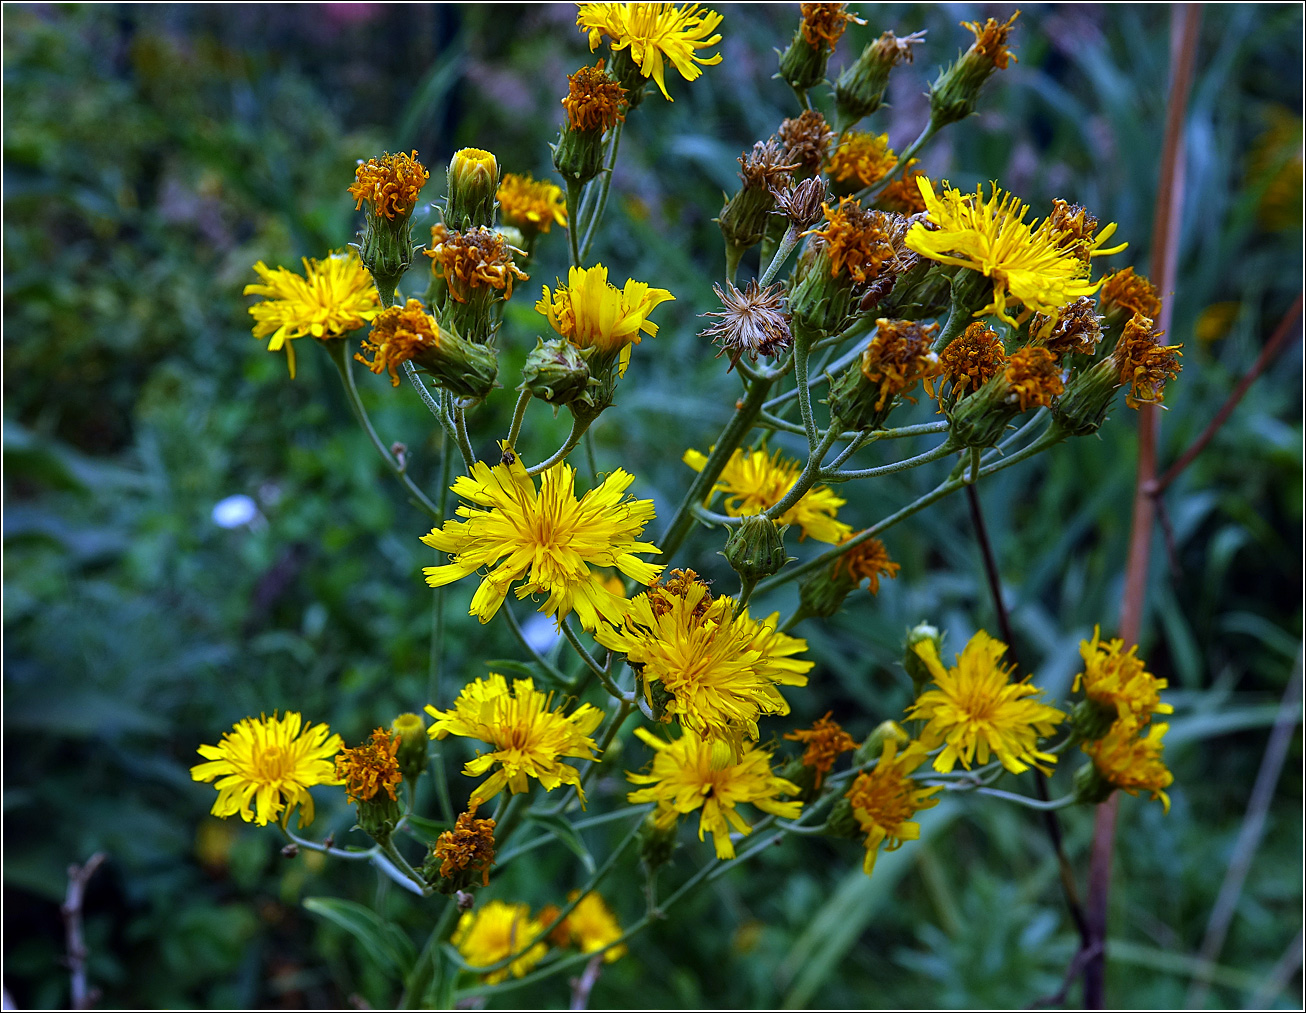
153, 153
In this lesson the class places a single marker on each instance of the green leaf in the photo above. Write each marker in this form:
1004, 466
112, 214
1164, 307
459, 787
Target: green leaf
566, 833
431, 828
385, 943
505, 666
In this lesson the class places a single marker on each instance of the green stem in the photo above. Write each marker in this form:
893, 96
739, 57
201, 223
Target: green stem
711, 517
944, 449
401, 863
418, 985
578, 427
787, 244
802, 347
464, 441
442, 414
1026, 801
591, 664
597, 216
322, 848
338, 353
811, 472
594, 821
518, 415
435, 661
573, 220
553, 671
590, 458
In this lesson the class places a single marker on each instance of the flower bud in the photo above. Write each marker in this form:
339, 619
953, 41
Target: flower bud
1091, 720
626, 72
894, 361
1082, 408
409, 333
842, 822
557, 372
803, 63
743, 220
656, 843
756, 548
473, 182
389, 185
860, 88
1091, 788
953, 94
873, 747
823, 593
578, 155
410, 730
370, 773
911, 661
594, 103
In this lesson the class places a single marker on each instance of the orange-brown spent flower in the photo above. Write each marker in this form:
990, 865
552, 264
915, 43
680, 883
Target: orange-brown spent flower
824, 24
806, 139
898, 356
971, 359
753, 321
767, 165
1076, 330
868, 560
904, 193
1075, 225
1132, 292
399, 334
991, 40
594, 101
676, 584
826, 740
467, 848
370, 768
1033, 377
863, 157
1144, 363
390, 184
801, 203
477, 258
856, 239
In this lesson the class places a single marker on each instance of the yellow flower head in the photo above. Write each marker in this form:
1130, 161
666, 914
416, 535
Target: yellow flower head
497, 930
825, 740
269, 762
466, 849
991, 236
865, 158
370, 768
696, 773
591, 313
390, 184
476, 259
885, 798
594, 101
1130, 762
654, 32
977, 708
527, 737
900, 355
856, 240
868, 560
1132, 293
529, 204
592, 926
716, 669
1144, 363
824, 24
546, 538
399, 333
1118, 679
970, 360
331, 298
1033, 377
754, 481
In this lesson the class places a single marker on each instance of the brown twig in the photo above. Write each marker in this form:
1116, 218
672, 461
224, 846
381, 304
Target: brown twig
1185, 22
78, 877
1278, 341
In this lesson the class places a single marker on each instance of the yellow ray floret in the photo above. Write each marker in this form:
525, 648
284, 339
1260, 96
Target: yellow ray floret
591, 313
754, 481
498, 930
545, 538
1131, 761
719, 668
271, 762
527, 736
654, 33
1118, 679
1023, 259
977, 709
885, 799
696, 773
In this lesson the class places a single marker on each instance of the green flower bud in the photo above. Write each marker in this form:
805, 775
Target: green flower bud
578, 155
756, 548
656, 844
378, 816
1091, 788
558, 372
803, 66
819, 300
803, 776
744, 218
842, 822
873, 747
463, 368
627, 73
980, 419
953, 94
1082, 408
473, 181
385, 247
410, 729
1091, 720
911, 661
860, 88
822, 594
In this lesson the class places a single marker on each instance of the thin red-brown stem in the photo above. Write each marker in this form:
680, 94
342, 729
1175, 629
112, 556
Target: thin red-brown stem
1185, 23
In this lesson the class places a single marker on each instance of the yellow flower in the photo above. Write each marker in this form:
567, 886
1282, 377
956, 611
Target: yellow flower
529, 204
755, 481
498, 930
826, 740
400, 333
978, 708
370, 768
1118, 679
856, 241
717, 670
269, 762
1132, 763
695, 773
592, 926
885, 799
390, 184
654, 32
591, 313
864, 157
990, 236
547, 539
332, 297
527, 736
475, 259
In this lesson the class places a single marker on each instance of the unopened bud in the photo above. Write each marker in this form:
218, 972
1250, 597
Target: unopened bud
1082, 408
842, 822
1091, 788
473, 182
557, 371
756, 548
656, 843
1091, 720
953, 94
860, 88
873, 747
410, 730
911, 661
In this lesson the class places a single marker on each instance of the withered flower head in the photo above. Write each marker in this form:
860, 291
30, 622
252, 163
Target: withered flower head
465, 850
861, 159
594, 101
370, 768
868, 560
390, 184
801, 203
904, 193
890, 49
1033, 378
1077, 329
753, 321
1131, 292
478, 258
990, 43
1074, 225
1145, 364
856, 240
824, 24
970, 359
767, 165
677, 584
898, 356
399, 333
825, 740
807, 138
